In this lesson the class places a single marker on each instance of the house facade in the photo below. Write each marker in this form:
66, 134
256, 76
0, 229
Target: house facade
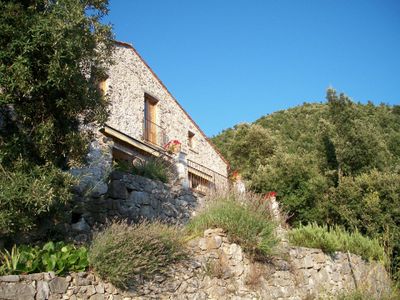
144, 117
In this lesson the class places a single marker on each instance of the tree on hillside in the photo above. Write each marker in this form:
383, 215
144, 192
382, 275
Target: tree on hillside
356, 141
52, 55
336, 163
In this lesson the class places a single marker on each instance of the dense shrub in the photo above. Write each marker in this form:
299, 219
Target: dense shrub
337, 239
244, 222
48, 49
123, 252
155, 168
28, 193
57, 257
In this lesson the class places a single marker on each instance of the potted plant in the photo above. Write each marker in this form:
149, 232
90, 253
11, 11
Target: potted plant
173, 147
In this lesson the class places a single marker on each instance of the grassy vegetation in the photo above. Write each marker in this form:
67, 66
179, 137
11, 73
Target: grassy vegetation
252, 229
153, 168
364, 295
336, 239
122, 252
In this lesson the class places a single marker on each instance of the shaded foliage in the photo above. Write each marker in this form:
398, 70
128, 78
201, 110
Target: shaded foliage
52, 56
29, 193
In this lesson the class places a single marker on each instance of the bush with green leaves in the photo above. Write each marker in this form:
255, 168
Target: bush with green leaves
154, 168
29, 193
57, 257
243, 220
53, 54
334, 239
122, 253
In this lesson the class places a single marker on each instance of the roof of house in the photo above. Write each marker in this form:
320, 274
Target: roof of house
165, 88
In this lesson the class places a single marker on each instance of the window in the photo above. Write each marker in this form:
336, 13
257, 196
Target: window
199, 184
103, 86
190, 139
150, 127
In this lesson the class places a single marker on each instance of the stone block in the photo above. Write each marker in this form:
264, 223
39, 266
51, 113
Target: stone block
146, 211
43, 290
89, 290
100, 288
116, 175
305, 263
82, 281
58, 285
213, 242
203, 244
116, 205
155, 203
9, 278
138, 198
117, 190
17, 291
97, 297
169, 210
99, 189
81, 226
49, 275
320, 258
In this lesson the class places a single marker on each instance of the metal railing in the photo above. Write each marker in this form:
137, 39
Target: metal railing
203, 179
154, 133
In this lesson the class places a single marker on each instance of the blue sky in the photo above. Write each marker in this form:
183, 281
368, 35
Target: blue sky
233, 61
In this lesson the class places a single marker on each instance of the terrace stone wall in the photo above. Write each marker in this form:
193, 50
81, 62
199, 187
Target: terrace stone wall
131, 198
218, 269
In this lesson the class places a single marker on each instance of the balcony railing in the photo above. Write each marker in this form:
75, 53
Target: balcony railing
205, 180
154, 133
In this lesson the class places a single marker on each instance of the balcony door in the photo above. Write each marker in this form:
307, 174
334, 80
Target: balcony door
150, 127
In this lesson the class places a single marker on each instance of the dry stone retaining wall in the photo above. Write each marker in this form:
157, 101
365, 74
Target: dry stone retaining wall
132, 198
218, 269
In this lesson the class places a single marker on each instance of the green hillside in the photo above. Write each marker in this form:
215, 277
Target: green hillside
331, 163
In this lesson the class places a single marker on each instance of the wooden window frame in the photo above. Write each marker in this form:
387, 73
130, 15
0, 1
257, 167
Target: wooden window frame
191, 139
150, 119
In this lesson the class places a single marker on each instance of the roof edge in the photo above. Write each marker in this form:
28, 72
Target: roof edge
176, 101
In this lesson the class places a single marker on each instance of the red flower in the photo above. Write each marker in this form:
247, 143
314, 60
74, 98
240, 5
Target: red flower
172, 146
270, 195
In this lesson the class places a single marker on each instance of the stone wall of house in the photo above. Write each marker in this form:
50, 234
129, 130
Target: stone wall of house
129, 80
93, 175
218, 269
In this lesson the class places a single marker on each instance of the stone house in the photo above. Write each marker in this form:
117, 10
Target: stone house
144, 117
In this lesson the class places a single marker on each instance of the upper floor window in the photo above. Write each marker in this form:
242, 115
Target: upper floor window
150, 114
190, 139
